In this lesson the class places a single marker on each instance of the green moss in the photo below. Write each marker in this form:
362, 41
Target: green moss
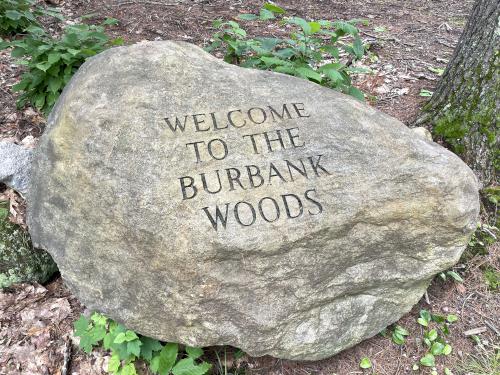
473, 116
492, 278
19, 261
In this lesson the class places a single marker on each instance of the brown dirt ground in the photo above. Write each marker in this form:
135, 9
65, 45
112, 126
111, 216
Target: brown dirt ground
35, 321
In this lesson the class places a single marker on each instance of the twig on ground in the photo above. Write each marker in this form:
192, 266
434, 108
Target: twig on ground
492, 327
445, 43
475, 331
147, 2
427, 298
465, 301
389, 39
67, 357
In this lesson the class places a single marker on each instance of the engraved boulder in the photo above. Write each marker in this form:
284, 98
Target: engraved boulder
207, 204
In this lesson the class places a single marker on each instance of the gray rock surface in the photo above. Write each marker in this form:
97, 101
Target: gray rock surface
19, 261
15, 166
333, 217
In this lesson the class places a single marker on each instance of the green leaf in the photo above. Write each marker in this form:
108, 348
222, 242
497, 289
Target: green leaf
97, 333
438, 71
54, 85
357, 93
273, 61
309, 73
422, 322
424, 314
332, 50
274, 8
268, 44
365, 363
44, 66
81, 325
162, 363
315, 27
447, 349
149, 346
302, 23
452, 318
120, 338
333, 74
285, 53
117, 41
130, 336
437, 348
187, 366
428, 360
128, 369
248, 17
110, 21
426, 93
265, 15
97, 318
447, 371
398, 338
401, 331
358, 48
194, 353
346, 27
114, 363
134, 347
438, 318
53, 57
455, 275
13, 14
21, 85
108, 341
18, 52
432, 335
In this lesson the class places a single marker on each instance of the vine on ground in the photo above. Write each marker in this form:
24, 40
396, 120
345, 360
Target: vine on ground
126, 347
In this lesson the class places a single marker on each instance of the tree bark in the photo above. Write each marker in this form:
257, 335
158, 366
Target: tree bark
464, 107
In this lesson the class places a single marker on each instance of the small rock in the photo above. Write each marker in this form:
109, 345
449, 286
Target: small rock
15, 165
29, 141
423, 132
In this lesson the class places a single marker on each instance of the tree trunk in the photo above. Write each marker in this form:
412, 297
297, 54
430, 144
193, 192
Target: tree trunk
464, 107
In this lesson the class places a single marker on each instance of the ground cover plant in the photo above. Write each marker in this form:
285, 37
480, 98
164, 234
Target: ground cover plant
126, 347
50, 62
321, 51
17, 15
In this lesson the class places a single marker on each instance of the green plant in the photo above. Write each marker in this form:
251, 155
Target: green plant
51, 62
321, 51
425, 93
126, 347
486, 362
437, 327
17, 15
484, 236
492, 278
365, 363
452, 274
399, 335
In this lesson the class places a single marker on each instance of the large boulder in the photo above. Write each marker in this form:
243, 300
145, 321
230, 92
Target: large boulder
203, 203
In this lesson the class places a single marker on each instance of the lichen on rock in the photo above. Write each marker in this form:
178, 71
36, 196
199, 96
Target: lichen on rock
19, 261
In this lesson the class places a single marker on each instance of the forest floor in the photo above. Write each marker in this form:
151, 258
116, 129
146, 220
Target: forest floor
410, 42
